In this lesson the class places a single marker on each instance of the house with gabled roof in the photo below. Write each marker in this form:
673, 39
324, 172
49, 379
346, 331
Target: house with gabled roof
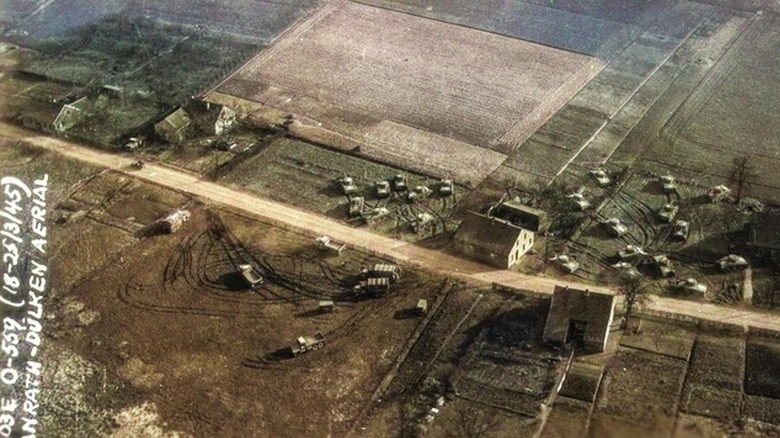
174, 128
493, 241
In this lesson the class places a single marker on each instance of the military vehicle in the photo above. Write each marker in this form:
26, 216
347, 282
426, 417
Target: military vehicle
627, 269
327, 243
307, 343
578, 200
383, 270
382, 189
326, 306
565, 263
446, 187
668, 184
732, 262
419, 192
601, 177
668, 212
422, 222
250, 275
347, 185
400, 183
689, 285
718, 193
356, 204
631, 252
374, 287
616, 227
422, 307
662, 266
374, 214
680, 230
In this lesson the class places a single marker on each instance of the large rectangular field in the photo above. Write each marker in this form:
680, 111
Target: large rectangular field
593, 27
389, 80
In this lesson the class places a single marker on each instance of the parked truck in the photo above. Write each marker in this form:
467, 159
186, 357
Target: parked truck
372, 287
307, 343
252, 278
383, 270
328, 244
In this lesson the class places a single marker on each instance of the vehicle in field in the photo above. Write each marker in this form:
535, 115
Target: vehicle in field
718, 193
668, 184
400, 183
601, 177
307, 343
250, 275
421, 308
662, 266
631, 252
446, 187
374, 214
422, 222
382, 189
327, 243
326, 306
627, 269
732, 262
689, 285
668, 212
347, 185
372, 287
138, 164
565, 263
356, 204
616, 227
225, 145
383, 270
134, 143
577, 199
680, 230
419, 192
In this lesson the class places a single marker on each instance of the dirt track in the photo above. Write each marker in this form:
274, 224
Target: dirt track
297, 220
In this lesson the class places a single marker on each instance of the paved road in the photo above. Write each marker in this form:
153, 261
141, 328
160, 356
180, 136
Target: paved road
312, 224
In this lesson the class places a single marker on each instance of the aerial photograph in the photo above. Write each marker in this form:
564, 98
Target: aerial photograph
390, 218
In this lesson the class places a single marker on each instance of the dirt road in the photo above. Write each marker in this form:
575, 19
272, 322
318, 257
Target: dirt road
312, 224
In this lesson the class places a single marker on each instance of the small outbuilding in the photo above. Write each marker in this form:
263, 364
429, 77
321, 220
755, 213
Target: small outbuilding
580, 317
522, 215
493, 241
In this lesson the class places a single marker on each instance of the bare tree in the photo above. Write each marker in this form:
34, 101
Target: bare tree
741, 174
636, 295
469, 420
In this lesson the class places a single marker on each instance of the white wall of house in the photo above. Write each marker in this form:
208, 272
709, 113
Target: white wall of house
523, 243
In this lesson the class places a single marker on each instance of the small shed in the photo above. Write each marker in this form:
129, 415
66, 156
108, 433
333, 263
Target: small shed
175, 128
493, 241
522, 215
581, 317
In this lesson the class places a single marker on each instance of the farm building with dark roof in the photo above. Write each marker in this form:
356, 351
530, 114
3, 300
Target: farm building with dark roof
175, 128
493, 241
580, 317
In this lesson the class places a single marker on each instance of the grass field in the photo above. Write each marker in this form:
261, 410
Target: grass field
361, 71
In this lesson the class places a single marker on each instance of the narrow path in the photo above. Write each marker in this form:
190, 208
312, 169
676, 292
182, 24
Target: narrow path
307, 223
